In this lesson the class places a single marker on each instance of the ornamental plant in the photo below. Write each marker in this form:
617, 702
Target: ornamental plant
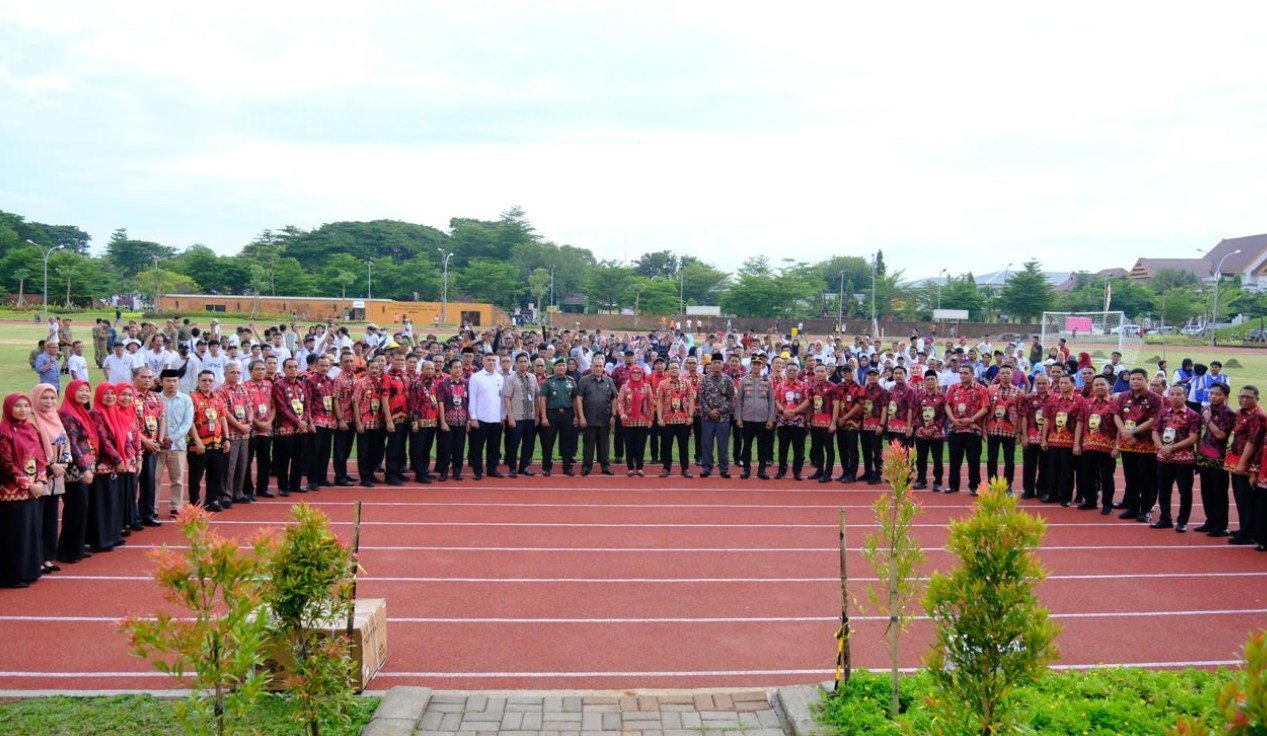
895, 554
1243, 701
216, 646
991, 633
310, 591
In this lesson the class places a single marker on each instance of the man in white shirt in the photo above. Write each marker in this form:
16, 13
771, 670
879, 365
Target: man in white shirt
279, 348
191, 365
215, 361
158, 357
486, 419
76, 363
118, 365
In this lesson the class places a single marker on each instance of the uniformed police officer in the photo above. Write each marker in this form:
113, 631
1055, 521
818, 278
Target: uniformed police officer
755, 413
558, 419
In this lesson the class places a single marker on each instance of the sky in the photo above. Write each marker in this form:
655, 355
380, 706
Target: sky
951, 135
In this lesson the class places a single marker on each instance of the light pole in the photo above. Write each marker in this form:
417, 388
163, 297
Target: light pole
875, 326
444, 304
369, 281
552, 285
47, 253
941, 278
1214, 309
681, 290
840, 305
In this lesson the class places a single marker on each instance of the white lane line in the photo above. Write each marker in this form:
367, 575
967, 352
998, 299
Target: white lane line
691, 581
682, 619
724, 550
618, 525
521, 505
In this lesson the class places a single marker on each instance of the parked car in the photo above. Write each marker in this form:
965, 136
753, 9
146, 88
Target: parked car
1194, 330
1128, 330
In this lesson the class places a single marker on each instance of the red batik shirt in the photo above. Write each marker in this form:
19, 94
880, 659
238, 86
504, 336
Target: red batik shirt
635, 404
237, 402
822, 394
453, 397
850, 395
1035, 419
1135, 410
1210, 447
901, 400
368, 393
262, 405
1175, 426
875, 401
209, 411
291, 402
1062, 412
394, 392
1004, 419
321, 391
424, 405
344, 386
694, 379
1248, 429
672, 397
965, 402
787, 396
1099, 431
929, 418
149, 408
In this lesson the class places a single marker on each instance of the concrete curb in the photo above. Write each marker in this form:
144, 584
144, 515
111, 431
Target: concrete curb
399, 712
795, 706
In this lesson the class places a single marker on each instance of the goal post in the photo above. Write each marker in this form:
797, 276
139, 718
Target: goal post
1097, 333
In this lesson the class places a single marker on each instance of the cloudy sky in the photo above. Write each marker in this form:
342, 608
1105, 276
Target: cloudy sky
951, 135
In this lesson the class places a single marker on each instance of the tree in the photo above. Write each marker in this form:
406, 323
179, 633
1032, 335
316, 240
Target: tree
1172, 278
1027, 294
657, 297
1177, 306
491, 281
757, 266
609, 285
539, 285
962, 293
216, 274
391, 239
159, 281
659, 263
701, 283
132, 256
753, 295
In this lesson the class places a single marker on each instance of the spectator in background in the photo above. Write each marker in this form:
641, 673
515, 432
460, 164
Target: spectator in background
76, 363
47, 365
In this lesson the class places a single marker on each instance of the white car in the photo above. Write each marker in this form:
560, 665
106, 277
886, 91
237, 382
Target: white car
1128, 330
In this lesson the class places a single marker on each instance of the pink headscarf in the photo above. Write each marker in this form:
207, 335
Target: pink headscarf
47, 423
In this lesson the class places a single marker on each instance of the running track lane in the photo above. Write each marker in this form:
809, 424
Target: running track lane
641, 582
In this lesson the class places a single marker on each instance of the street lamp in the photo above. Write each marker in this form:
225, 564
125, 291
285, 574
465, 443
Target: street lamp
369, 280
941, 278
444, 305
875, 326
1218, 271
47, 253
840, 305
681, 290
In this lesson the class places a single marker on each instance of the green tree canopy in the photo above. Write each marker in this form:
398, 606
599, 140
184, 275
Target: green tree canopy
1027, 294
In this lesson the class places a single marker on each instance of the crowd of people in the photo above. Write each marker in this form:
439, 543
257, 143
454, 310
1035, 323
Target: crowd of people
234, 417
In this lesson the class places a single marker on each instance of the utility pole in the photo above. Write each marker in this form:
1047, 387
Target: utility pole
840, 305
444, 304
369, 281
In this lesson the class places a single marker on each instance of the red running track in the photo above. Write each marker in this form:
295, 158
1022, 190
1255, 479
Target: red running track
616, 582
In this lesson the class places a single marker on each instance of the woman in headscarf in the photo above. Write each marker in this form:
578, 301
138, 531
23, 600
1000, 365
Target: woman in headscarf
634, 405
130, 423
22, 483
82, 439
53, 438
105, 515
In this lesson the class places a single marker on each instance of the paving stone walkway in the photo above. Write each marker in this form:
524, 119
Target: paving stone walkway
692, 714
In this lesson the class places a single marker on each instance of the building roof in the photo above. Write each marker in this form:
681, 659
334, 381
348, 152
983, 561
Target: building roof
1252, 249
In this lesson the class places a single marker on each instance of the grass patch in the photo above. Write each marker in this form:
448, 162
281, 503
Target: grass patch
144, 715
1109, 702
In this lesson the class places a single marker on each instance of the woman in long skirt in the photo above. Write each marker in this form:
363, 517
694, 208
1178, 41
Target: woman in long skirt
128, 486
81, 436
22, 483
53, 437
104, 512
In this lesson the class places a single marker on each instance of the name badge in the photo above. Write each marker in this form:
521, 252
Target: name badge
239, 412
298, 406
961, 408
261, 409
677, 403
212, 416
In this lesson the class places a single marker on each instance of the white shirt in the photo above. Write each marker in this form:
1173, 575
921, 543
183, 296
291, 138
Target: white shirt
157, 361
78, 367
118, 367
282, 354
193, 366
215, 364
486, 396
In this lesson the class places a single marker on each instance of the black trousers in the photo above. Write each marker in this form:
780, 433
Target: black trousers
619, 442
1140, 469
697, 432
923, 448
262, 453
370, 444
1096, 477
320, 445
147, 493
420, 442
653, 444
212, 464
1034, 476
343, 441
48, 526
635, 446
791, 438
596, 438
1168, 476
521, 442
486, 444
562, 428
397, 439
847, 445
899, 437
449, 449
1214, 485
1061, 459
764, 439
682, 434
822, 451
1258, 515
737, 442
289, 460
872, 449
994, 443
70, 543
1243, 491
965, 445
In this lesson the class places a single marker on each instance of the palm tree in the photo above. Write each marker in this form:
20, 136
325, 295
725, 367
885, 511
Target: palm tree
21, 275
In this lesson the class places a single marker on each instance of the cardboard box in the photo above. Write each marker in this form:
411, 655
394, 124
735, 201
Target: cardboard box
369, 644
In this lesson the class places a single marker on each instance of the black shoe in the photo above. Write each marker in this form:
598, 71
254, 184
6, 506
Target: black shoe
665, 473
951, 490
496, 474
1181, 528
687, 473
443, 476
283, 494
244, 500
745, 475
152, 522
824, 478
919, 486
1217, 533
1028, 495
873, 481
1106, 510
1127, 514
457, 475
1064, 504
937, 488
1162, 523
128, 532
1202, 528
763, 475
513, 474
214, 508
368, 484
607, 470
781, 474
725, 474
705, 473
570, 473
344, 482
547, 473
266, 494
585, 472
1119, 506
527, 472
797, 476
1144, 518
16, 586
136, 527
423, 479
619, 459
1239, 541
1086, 506
973, 492
477, 476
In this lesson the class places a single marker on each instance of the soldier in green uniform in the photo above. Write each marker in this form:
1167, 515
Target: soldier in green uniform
558, 418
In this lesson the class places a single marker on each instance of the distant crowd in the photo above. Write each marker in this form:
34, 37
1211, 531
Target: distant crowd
231, 416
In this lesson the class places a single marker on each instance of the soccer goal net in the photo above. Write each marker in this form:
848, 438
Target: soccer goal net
1098, 333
